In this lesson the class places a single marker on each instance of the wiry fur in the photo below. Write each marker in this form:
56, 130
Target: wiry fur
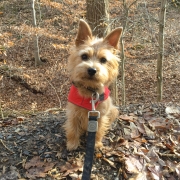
95, 48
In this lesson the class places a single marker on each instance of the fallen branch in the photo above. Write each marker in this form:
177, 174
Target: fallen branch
53, 109
175, 155
2, 115
6, 146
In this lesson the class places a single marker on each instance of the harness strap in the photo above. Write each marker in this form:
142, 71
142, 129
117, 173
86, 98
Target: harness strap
89, 148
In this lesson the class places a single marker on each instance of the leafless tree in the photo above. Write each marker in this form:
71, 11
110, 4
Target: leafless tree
161, 50
35, 38
126, 9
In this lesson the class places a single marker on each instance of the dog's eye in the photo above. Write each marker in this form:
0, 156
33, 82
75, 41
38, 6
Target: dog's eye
103, 60
84, 57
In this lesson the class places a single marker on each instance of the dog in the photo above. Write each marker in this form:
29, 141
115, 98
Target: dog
93, 66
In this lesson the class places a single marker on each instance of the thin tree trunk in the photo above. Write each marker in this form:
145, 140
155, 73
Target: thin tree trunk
123, 58
161, 50
123, 90
35, 38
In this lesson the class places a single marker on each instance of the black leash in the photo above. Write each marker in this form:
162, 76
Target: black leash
89, 152
92, 129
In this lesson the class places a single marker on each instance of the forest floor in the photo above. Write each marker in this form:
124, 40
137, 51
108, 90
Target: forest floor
143, 142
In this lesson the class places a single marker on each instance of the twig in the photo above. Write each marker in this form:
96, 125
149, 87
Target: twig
55, 92
53, 109
143, 155
175, 155
2, 115
6, 146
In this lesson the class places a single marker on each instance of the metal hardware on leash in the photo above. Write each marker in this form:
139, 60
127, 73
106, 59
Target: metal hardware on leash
93, 102
93, 125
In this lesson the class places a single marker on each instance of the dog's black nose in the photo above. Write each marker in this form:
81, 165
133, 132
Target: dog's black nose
91, 71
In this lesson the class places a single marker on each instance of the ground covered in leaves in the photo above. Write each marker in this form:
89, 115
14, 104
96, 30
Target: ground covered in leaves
143, 144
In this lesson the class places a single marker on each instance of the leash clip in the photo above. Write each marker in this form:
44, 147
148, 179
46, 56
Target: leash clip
93, 125
93, 101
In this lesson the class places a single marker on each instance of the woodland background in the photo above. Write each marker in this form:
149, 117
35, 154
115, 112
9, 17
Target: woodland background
143, 143
24, 88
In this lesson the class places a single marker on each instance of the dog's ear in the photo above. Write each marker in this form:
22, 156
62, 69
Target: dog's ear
84, 32
113, 37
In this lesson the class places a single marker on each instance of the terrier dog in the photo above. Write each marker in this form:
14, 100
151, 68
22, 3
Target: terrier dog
93, 66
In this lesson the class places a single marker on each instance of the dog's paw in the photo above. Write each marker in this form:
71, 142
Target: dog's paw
98, 145
72, 145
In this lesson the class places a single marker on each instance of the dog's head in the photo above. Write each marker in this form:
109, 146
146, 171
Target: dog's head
93, 62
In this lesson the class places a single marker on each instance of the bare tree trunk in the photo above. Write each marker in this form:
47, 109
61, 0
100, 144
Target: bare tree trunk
97, 16
35, 38
123, 90
161, 50
123, 58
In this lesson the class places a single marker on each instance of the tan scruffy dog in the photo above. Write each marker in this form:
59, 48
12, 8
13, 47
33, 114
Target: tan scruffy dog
93, 65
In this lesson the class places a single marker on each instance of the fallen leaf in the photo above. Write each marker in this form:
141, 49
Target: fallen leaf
161, 123
20, 118
140, 127
70, 168
127, 118
140, 176
172, 110
150, 134
37, 168
156, 172
35, 161
75, 176
127, 133
134, 131
33, 173
133, 164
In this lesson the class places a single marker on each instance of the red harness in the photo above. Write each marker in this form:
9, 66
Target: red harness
78, 100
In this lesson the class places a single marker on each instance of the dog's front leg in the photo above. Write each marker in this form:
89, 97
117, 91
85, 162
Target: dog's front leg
103, 125
72, 131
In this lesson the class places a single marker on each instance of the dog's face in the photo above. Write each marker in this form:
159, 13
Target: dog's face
93, 62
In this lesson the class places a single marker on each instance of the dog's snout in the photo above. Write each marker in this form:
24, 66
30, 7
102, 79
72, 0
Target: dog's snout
91, 71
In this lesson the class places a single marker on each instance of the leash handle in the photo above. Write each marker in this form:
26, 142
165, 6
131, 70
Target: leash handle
89, 152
